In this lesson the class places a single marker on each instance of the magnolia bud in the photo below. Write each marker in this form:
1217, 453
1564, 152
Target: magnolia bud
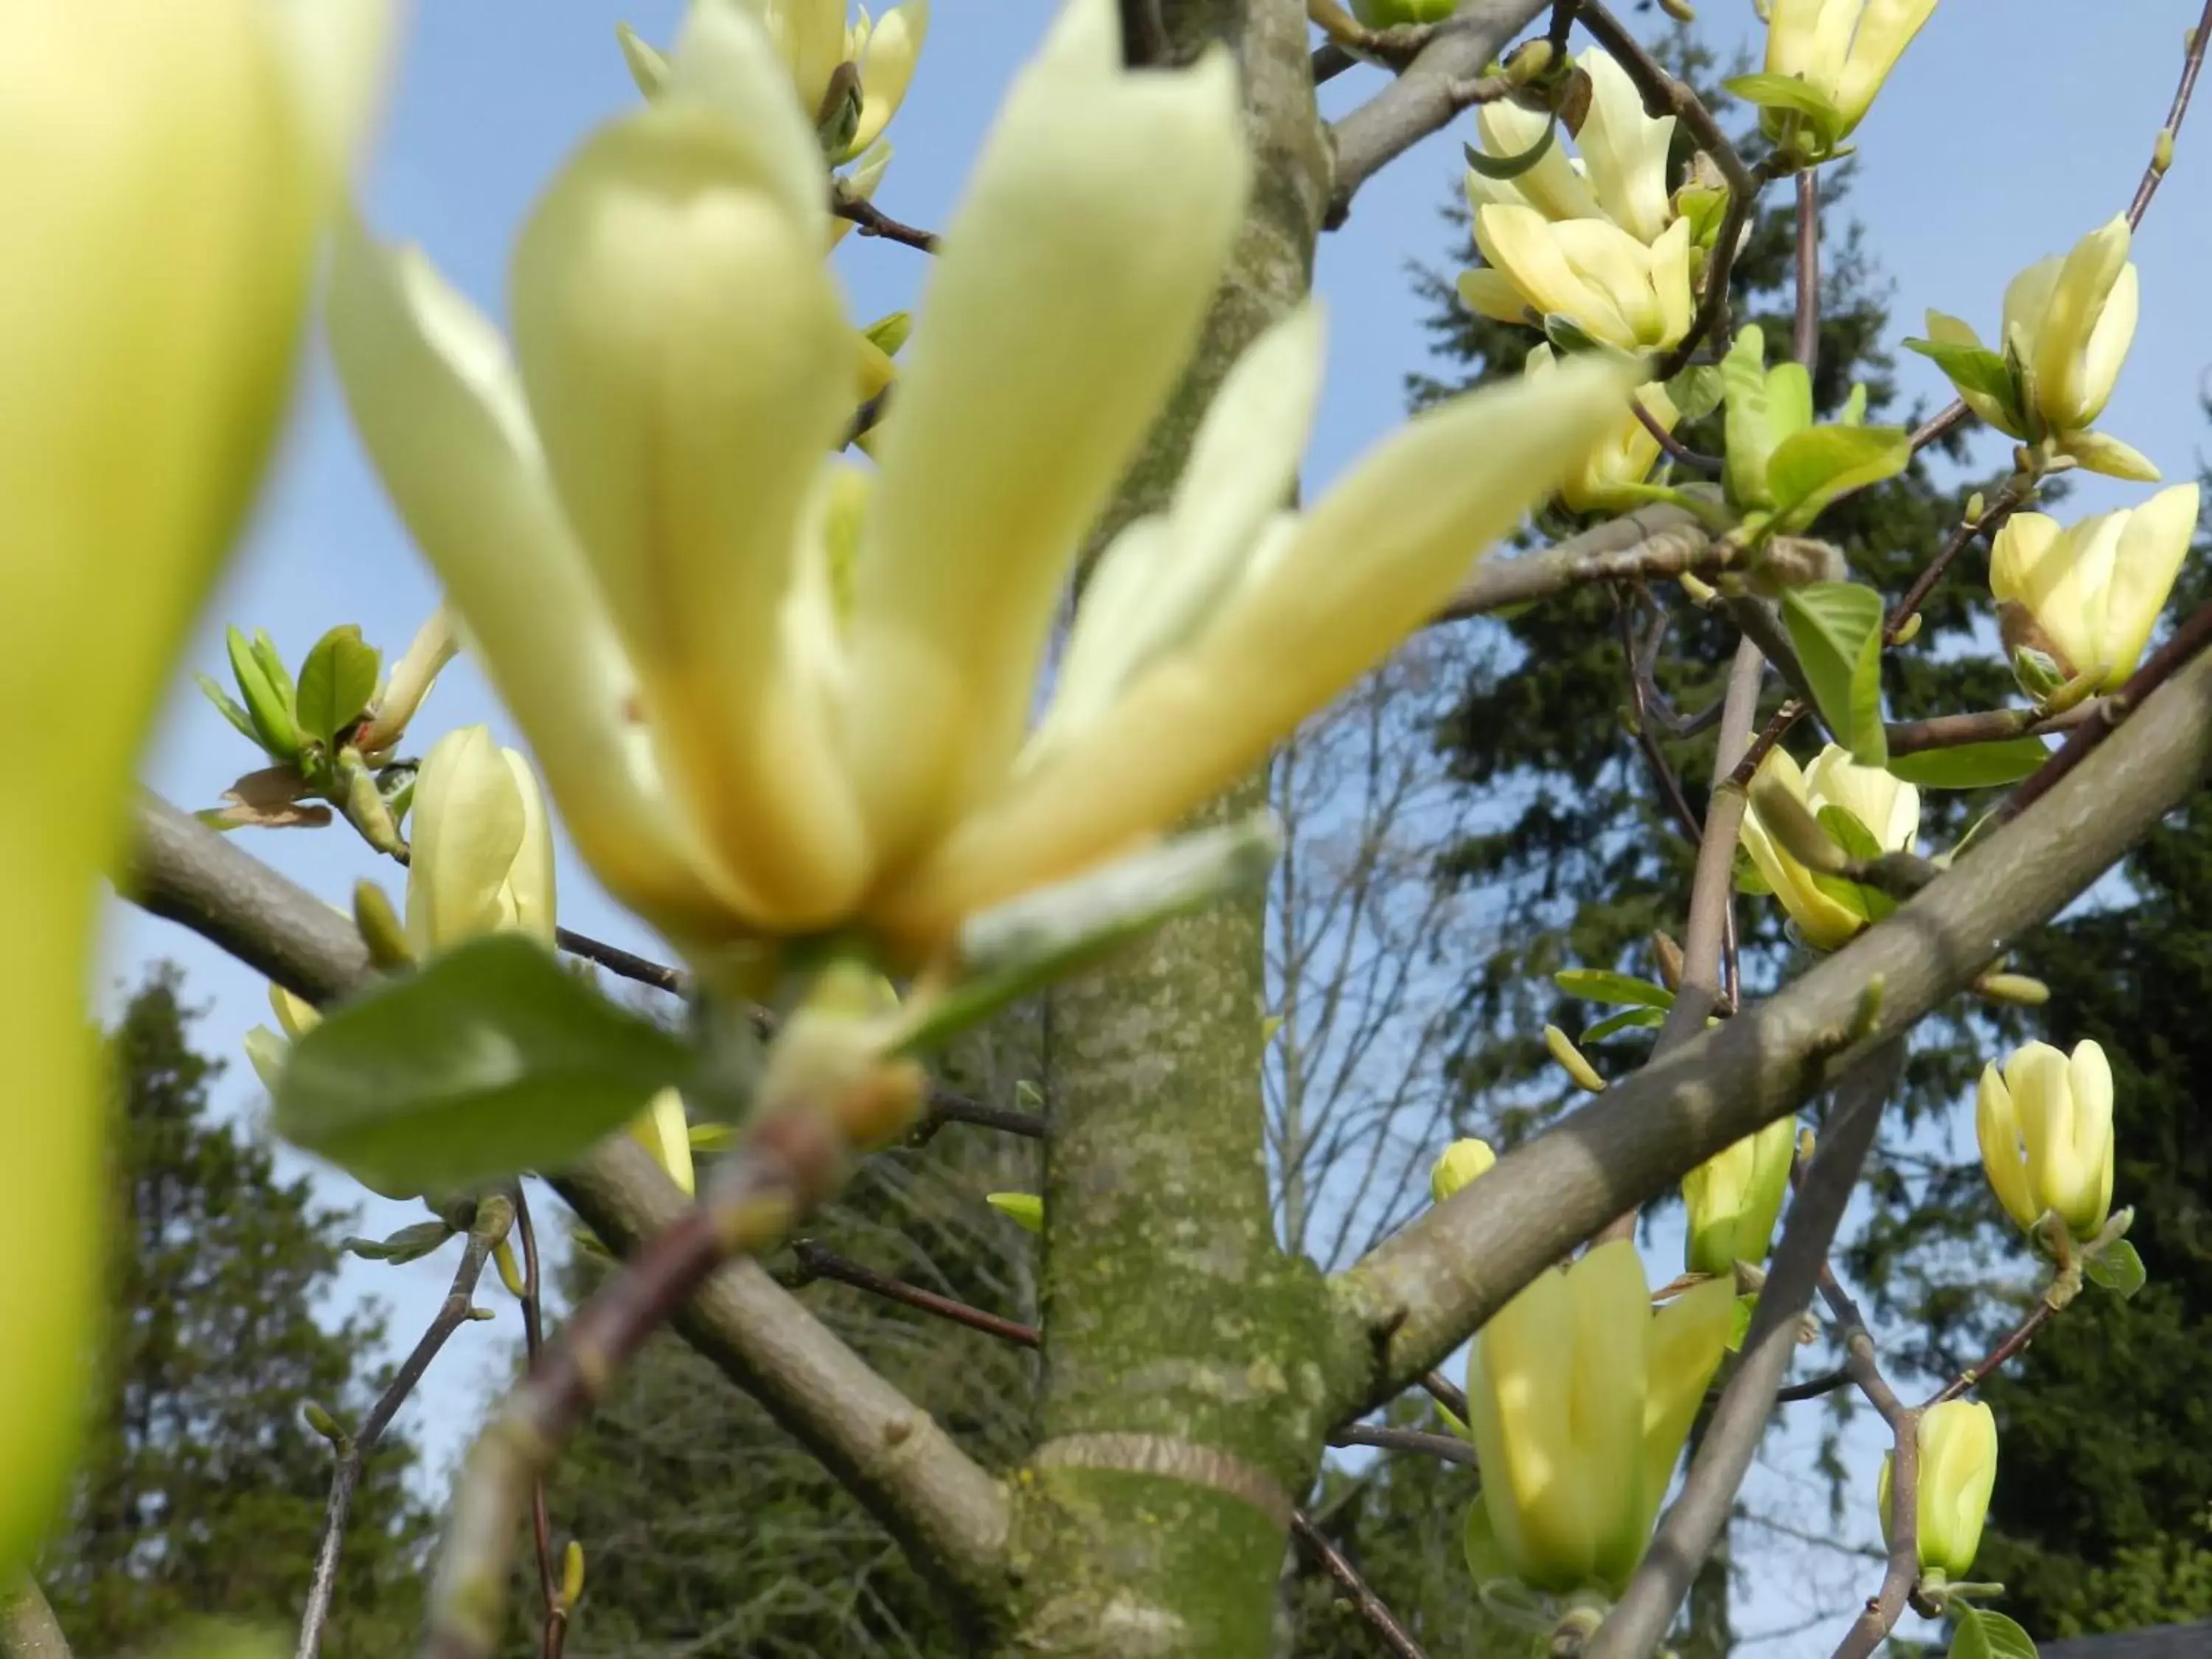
1957, 1470
1462, 1162
1572, 1060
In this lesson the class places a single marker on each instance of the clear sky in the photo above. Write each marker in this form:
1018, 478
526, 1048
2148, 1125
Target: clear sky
2012, 127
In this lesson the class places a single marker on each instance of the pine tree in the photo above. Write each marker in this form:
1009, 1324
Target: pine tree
202, 1493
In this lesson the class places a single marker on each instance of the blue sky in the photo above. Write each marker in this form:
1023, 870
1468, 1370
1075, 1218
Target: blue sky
2012, 127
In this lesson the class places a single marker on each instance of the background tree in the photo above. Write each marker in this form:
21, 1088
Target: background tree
203, 1494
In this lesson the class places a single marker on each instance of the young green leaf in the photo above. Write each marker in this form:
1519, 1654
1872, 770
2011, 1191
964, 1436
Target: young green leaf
1613, 1024
1740, 1322
1981, 1634
1836, 627
1025, 1210
491, 1060
1696, 392
1843, 827
1971, 765
227, 707
1510, 166
269, 705
336, 683
1598, 985
1977, 369
1786, 92
1810, 469
2118, 1268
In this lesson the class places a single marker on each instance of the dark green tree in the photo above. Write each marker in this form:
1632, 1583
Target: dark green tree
202, 1492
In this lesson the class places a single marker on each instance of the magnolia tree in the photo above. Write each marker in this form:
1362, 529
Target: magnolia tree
785, 702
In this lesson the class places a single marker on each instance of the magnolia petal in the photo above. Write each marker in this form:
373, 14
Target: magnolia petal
663, 1130
2152, 546
530, 879
465, 829
1522, 1412
2027, 299
2039, 1080
2061, 575
648, 64
1689, 1337
1551, 186
887, 68
726, 62
1996, 1130
1886, 28
295, 1015
2106, 349
1492, 293
1670, 279
1092, 235
1611, 1390
337, 52
1375, 558
266, 1053
2100, 452
1825, 924
2085, 282
1626, 150
1617, 265
1791, 26
434, 401
1519, 244
689, 364
1153, 592
859, 184
1888, 807
1945, 329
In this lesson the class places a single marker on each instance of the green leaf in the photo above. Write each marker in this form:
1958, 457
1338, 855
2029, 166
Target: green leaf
1487, 1560
1981, 1634
1743, 389
1740, 1322
1748, 880
227, 707
1977, 369
408, 1245
336, 683
1613, 1024
2118, 1268
1810, 469
272, 664
1844, 827
1511, 167
275, 727
1024, 1209
1971, 765
491, 1060
888, 333
1786, 92
1696, 392
1598, 985
1837, 630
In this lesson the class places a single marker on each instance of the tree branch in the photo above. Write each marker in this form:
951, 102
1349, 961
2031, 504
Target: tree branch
1449, 1447
1647, 545
495, 1215
28, 1629
1332, 1561
872, 220
1903, 1572
818, 1261
1686, 1536
1414, 1299
1424, 97
2191, 61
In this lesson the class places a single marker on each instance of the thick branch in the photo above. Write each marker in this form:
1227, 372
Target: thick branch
1739, 1422
1654, 542
1425, 96
1414, 1299
494, 1214
28, 1627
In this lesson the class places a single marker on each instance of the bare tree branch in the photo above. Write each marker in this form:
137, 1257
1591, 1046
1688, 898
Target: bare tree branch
1413, 1300
1641, 546
495, 1215
1425, 96
28, 1629
1334, 1563
1449, 1447
1686, 1535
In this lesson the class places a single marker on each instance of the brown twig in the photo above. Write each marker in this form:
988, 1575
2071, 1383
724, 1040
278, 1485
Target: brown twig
2194, 634
1332, 1561
1446, 1393
495, 1215
1941, 424
554, 1635
1777, 728
1663, 94
818, 1261
1675, 448
2192, 61
1984, 725
1884, 1608
872, 220
2009, 1348
1808, 337
1641, 690
617, 961
944, 1107
2015, 491
1814, 1388
1449, 1447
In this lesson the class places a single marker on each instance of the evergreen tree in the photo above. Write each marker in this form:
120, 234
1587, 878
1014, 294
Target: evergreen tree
201, 1493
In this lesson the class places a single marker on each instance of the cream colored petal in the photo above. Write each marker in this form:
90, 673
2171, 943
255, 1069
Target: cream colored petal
2028, 299
295, 1015
1616, 264
1945, 329
2060, 576
1626, 150
1791, 28
434, 646
1376, 558
663, 1130
530, 879
1889, 809
2153, 545
2109, 339
725, 62
648, 64
1885, 29
1518, 244
2085, 281
1492, 293
810, 36
859, 183
887, 67
1552, 186
1161, 588
1610, 1392
465, 829
2100, 452
1996, 1129
266, 1052
2077, 1176
1838, 22
1826, 925
1090, 242
1687, 1338
434, 402
689, 364
1522, 1411
2042, 1095
1483, 192
1670, 279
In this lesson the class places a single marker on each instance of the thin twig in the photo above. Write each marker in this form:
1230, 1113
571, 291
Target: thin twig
1332, 1561
818, 1261
554, 1634
1807, 339
1814, 1388
872, 221
1641, 693
2009, 1348
1446, 1393
1941, 424
1884, 1608
617, 961
1675, 449
1739, 1422
1449, 1447
944, 1106
2010, 496
495, 1215
2192, 61
1777, 728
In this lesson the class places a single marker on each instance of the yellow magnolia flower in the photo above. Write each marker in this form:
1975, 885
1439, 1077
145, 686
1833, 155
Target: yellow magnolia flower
1580, 1397
1621, 173
1590, 271
166, 170
639, 532
1890, 811
1957, 1471
1462, 1161
1842, 49
2067, 324
1605, 482
482, 851
265, 1048
663, 1130
1734, 1199
2095, 589
2046, 1128
434, 646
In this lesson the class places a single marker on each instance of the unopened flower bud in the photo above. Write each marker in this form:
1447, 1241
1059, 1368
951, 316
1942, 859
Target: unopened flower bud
1462, 1162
